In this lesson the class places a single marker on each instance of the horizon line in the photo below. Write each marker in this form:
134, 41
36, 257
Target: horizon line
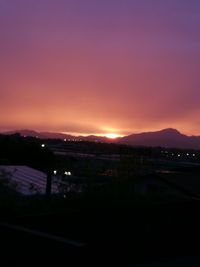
111, 135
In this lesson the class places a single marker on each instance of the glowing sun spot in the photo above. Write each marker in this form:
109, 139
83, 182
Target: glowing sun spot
112, 135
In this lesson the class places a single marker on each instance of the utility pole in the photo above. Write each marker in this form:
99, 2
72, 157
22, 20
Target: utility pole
48, 183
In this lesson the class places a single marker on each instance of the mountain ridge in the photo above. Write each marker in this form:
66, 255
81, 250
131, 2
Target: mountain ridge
169, 137
56, 135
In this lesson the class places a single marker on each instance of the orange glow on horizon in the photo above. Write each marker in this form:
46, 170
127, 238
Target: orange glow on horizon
112, 135
108, 135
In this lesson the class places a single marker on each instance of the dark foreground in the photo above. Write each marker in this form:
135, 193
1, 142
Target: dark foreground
167, 235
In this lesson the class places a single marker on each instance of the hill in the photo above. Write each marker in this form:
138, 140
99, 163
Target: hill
164, 138
54, 135
169, 137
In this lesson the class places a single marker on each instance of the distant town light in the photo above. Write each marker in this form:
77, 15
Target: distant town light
187, 154
193, 155
43, 145
55, 172
179, 155
65, 140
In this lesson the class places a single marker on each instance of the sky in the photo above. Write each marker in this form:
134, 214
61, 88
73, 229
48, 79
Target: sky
100, 66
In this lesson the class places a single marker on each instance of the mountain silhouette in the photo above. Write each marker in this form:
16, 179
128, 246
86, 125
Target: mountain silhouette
54, 135
163, 138
169, 137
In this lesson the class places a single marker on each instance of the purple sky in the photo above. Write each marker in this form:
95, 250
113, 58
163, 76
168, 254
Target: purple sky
100, 66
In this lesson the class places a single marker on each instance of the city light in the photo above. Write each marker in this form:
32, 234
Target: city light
43, 145
55, 172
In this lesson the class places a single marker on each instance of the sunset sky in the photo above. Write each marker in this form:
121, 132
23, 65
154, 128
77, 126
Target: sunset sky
100, 66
